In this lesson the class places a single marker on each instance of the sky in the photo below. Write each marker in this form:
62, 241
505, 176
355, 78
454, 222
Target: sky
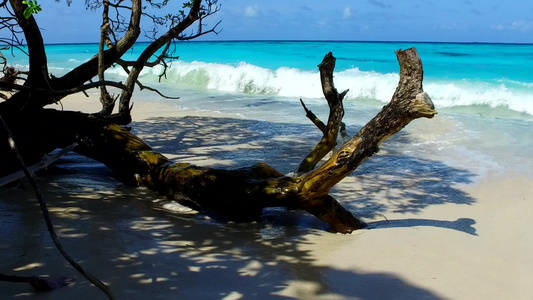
494, 21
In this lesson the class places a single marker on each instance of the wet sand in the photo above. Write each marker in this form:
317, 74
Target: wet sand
465, 240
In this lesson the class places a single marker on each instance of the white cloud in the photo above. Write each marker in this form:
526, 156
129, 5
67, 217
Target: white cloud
346, 13
251, 11
520, 25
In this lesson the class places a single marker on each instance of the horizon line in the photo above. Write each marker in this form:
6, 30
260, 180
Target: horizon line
327, 41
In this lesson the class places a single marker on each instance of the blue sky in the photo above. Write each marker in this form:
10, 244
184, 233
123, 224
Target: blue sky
509, 21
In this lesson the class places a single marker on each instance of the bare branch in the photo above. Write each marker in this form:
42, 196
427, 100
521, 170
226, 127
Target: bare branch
329, 137
10, 24
311, 116
74, 90
408, 103
89, 69
318, 123
124, 65
196, 12
142, 87
159, 59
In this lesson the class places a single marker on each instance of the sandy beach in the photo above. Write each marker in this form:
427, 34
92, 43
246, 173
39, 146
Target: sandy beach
469, 240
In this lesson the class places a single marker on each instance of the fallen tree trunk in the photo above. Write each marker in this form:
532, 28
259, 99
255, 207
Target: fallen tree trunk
239, 194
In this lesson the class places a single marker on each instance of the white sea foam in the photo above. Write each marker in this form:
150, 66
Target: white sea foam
285, 82
364, 86
469, 93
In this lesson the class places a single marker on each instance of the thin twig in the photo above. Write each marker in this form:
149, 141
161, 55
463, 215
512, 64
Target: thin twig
385, 217
311, 116
77, 89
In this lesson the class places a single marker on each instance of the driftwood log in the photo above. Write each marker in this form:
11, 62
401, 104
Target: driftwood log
241, 194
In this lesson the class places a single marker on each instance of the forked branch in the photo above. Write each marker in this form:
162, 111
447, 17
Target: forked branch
408, 103
336, 112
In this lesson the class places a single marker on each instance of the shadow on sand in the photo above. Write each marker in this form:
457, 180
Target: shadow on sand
130, 239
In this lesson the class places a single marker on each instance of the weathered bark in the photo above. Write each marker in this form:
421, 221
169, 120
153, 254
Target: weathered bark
336, 112
239, 195
320, 125
408, 103
108, 102
38, 67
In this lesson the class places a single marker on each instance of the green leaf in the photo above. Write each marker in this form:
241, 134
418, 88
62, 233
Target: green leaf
33, 8
27, 13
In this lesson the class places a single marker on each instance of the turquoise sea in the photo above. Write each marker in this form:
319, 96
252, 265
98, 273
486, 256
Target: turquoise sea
483, 92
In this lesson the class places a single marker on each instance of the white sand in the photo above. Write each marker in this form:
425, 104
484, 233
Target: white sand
128, 238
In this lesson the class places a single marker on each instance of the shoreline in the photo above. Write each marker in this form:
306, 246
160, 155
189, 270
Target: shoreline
435, 235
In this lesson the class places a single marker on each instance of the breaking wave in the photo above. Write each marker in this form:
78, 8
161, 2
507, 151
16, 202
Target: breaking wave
366, 86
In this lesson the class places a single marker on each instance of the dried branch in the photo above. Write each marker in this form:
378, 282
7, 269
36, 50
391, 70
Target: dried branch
74, 90
89, 69
124, 66
160, 59
197, 12
408, 103
311, 116
43, 164
142, 87
329, 137
10, 24
318, 123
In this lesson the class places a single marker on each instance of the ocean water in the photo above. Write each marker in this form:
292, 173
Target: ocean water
483, 92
